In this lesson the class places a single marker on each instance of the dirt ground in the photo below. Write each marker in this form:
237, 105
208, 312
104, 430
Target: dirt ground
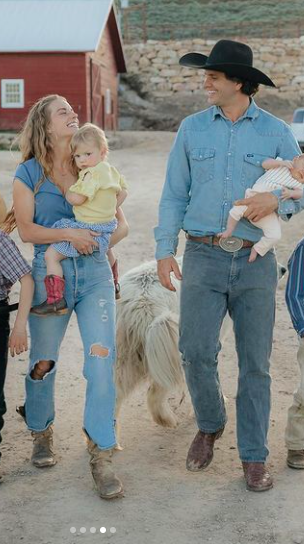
163, 502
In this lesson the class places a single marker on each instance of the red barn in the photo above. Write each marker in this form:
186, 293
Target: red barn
68, 47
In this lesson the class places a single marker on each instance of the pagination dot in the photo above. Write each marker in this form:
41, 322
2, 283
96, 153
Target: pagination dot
82, 530
93, 530
113, 530
103, 530
73, 530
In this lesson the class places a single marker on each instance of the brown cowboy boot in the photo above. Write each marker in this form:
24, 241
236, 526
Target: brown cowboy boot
257, 476
106, 481
200, 453
55, 304
43, 453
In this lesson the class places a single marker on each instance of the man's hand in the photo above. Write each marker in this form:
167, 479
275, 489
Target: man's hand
164, 268
259, 205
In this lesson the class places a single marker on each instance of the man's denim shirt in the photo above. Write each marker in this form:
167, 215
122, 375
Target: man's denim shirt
211, 164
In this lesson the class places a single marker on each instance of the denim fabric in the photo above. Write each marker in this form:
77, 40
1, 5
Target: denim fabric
294, 434
215, 282
212, 163
4, 335
89, 290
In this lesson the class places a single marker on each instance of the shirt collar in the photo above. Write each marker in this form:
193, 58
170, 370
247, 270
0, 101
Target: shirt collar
251, 113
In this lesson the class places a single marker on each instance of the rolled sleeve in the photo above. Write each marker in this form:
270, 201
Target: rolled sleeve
289, 148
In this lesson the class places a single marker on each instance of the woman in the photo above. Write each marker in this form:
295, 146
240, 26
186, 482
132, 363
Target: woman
41, 180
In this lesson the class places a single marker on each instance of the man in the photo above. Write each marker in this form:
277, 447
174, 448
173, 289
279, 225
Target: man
217, 154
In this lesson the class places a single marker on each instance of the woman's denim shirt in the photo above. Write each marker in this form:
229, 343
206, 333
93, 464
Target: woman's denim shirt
212, 162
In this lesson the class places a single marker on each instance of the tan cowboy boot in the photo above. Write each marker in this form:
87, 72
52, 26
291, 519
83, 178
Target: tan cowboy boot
43, 453
295, 459
106, 481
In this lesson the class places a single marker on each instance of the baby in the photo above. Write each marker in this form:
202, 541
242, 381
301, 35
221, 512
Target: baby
96, 195
285, 175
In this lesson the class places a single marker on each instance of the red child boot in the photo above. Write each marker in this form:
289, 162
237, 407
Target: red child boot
55, 304
115, 277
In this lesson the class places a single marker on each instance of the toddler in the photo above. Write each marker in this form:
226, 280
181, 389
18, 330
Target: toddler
96, 195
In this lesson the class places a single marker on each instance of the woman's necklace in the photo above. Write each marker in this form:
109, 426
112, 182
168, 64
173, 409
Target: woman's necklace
63, 179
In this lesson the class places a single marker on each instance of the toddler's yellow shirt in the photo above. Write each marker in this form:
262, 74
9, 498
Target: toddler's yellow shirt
100, 185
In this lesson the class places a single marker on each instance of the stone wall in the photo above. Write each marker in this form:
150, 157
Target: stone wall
155, 64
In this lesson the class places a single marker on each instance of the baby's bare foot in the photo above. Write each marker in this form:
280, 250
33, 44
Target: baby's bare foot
224, 234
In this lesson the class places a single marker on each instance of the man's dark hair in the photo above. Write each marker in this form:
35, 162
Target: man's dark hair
248, 87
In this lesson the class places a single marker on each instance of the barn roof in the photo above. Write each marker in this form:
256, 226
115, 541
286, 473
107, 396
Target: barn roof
54, 25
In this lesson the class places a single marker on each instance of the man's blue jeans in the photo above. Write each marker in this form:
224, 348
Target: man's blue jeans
89, 290
215, 282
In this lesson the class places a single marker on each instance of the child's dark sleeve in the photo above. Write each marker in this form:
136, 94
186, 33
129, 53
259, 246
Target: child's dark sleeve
295, 288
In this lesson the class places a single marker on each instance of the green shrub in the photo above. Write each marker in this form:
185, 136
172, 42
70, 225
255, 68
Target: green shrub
194, 17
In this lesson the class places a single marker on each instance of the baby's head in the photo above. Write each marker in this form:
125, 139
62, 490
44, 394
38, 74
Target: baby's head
89, 146
297, 170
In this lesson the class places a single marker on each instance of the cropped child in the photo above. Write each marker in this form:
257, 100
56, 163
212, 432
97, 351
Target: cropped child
13, 268
285, 175
95, 197
294, 433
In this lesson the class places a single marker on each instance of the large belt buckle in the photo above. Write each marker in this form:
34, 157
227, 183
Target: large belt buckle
231, 244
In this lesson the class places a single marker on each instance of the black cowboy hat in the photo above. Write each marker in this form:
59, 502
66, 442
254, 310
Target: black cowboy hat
233, 58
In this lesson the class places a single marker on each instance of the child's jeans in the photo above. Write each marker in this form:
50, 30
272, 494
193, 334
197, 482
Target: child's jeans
89, 291
4, 335
294, 434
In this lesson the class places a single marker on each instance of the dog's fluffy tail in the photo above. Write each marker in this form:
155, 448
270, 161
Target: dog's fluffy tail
162, 353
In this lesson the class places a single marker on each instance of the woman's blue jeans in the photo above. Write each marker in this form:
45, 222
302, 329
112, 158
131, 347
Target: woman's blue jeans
215, 282
89, 291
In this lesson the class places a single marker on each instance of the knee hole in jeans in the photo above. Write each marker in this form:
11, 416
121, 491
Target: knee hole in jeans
41, 369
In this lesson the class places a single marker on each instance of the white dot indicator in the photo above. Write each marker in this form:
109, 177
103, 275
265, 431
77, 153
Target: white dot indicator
113, 530
73, 530
93, 530
82, 530
103, 530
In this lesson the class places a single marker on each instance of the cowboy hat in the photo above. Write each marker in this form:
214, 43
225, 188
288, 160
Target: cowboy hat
233, 58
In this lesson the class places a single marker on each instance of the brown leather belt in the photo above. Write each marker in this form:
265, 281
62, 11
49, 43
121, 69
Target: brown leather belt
214, 240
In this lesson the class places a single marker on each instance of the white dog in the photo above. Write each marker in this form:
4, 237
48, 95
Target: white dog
147, 339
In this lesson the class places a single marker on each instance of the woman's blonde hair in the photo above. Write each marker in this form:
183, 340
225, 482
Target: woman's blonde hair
90, 133
34, 141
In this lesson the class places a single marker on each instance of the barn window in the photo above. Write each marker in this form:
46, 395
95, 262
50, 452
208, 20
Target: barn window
12, 93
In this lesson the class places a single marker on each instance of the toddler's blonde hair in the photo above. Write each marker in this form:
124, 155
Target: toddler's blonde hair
90, 133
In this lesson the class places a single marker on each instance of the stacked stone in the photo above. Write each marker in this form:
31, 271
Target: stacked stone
156, 65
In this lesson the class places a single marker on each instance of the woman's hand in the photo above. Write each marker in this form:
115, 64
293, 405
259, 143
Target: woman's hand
83, 240
18, 341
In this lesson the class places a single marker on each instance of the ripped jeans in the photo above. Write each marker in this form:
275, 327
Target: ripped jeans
215, 282
89, 291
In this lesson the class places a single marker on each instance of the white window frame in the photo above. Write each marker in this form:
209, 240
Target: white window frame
4, 102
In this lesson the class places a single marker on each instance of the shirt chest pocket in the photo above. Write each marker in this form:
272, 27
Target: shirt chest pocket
202, 164
252, 168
